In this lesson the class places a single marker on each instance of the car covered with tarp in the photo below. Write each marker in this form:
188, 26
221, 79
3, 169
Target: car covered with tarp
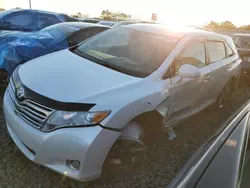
18, 47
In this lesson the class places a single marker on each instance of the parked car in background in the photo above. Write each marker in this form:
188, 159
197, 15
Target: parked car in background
121, 23
107, 23
89, 20
242, 42
228, 151
18, 47
104, 100
30, 20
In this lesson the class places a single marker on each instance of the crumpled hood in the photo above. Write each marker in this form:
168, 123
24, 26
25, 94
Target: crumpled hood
66, 77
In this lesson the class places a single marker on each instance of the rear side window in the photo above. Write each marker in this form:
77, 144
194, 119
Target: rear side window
216, 51
229, 50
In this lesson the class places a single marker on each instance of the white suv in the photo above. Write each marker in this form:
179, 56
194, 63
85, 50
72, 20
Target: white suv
71, 109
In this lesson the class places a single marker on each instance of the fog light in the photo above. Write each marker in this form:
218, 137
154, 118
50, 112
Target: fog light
74, 164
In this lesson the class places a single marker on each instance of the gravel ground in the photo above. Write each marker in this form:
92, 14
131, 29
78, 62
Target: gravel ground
162, 163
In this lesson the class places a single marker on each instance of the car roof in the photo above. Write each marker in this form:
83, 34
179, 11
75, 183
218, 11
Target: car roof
177, 32
30, 10
80, 25
89, 19
104, 21
125, 22
129, 21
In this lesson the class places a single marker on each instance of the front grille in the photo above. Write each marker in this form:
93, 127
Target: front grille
33, 113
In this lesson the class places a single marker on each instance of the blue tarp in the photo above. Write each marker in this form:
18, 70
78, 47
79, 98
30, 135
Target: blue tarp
18, 47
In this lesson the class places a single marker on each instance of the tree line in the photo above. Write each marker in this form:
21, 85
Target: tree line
225, 25
106, 15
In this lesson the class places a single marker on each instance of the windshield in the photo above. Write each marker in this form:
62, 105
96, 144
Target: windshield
128, 51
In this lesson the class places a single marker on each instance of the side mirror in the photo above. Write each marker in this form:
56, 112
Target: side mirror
189, 71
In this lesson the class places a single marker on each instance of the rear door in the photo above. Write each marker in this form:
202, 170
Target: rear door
219, 65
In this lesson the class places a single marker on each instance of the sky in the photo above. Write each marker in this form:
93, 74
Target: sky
173, 12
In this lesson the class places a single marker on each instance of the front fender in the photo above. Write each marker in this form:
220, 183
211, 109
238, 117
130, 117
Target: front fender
120, 117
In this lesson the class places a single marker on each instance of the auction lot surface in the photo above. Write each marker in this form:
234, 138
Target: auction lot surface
161, 164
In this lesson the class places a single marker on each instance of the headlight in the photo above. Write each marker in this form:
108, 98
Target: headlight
73, 119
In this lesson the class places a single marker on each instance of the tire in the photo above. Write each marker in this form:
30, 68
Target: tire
128, 146
127, 152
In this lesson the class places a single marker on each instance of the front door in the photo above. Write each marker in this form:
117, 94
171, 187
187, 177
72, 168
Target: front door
187, 94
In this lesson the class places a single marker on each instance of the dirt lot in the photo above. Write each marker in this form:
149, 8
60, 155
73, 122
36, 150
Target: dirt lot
161, 164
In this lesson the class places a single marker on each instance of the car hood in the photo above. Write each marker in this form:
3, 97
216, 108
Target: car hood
66, 77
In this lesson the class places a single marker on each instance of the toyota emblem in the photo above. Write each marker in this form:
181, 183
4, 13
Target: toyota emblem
20, 93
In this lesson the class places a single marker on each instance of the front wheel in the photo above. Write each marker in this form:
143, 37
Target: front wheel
129, 147
137, 138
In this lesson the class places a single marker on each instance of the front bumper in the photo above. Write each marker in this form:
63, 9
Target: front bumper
88, 145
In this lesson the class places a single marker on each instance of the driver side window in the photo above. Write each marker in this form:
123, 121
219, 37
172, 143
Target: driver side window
193, 54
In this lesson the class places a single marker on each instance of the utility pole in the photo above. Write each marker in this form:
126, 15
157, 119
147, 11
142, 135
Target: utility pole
30, 3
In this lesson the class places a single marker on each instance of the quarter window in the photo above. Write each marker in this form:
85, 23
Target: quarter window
229, 50
216, 51
193, 54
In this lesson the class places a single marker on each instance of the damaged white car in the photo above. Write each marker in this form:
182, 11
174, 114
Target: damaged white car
104, 99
